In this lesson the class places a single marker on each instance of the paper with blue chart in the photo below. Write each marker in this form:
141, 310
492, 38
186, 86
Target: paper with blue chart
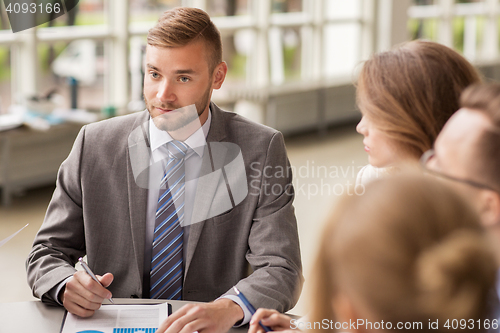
121, 318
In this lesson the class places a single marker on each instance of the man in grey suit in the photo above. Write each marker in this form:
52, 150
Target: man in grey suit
228, 198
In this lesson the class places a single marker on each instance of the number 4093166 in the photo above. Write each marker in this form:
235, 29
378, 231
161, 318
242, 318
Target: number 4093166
33, 8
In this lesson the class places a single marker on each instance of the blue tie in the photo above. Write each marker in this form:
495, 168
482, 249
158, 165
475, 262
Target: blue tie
166, 263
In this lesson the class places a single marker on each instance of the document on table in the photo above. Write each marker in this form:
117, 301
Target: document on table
119, 318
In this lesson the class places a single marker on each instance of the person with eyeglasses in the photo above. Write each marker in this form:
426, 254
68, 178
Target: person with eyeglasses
466, 155
406, 95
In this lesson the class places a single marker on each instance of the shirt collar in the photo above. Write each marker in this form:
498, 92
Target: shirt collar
196, 141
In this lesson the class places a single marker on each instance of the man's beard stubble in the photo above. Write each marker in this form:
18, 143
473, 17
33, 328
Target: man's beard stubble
184, 116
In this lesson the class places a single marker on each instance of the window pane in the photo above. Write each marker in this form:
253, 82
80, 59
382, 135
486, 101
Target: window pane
86, 12
425, 2
89, 12
292, 53
236, 49
341, 52
5, 83
341, 9
150, 10
286, 6
423, 28
137, 56
228, 7
458, 33
81, 59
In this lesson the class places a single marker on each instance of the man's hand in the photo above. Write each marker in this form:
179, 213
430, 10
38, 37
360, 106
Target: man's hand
272, 318
215, 317
82, 295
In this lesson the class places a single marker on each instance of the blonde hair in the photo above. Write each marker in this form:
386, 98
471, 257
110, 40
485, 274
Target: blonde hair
412, 90
409, 249
181, 26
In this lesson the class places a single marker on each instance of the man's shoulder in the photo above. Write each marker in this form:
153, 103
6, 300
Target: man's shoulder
116, 127
239, 125
120, 121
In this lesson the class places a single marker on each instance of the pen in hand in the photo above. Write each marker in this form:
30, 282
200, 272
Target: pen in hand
92, 275
250, 308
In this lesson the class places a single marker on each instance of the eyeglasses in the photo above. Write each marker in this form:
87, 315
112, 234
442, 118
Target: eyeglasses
430, 154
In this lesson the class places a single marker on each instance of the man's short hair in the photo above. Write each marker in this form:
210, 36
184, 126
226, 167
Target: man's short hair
181, 26
485, 98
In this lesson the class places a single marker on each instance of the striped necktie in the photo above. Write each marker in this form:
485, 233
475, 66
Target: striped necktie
166, 262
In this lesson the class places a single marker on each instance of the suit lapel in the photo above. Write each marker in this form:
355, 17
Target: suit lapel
207, 183
138, 159
208, 180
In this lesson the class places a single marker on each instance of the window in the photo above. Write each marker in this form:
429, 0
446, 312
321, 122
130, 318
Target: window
470, 26
5, 79
266, 43
150, 10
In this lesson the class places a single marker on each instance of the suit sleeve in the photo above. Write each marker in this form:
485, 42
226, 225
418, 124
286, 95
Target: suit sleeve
60, 240
274, 252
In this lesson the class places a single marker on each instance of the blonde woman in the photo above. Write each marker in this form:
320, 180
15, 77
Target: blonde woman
408, 251
405, 96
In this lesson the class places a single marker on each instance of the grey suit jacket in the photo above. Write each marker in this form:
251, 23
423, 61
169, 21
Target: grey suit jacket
99, 209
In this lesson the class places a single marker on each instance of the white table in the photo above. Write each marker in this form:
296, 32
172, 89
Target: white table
24, 317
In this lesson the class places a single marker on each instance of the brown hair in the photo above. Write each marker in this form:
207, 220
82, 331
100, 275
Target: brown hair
412, 90
181, 26
408, 250
485, 98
